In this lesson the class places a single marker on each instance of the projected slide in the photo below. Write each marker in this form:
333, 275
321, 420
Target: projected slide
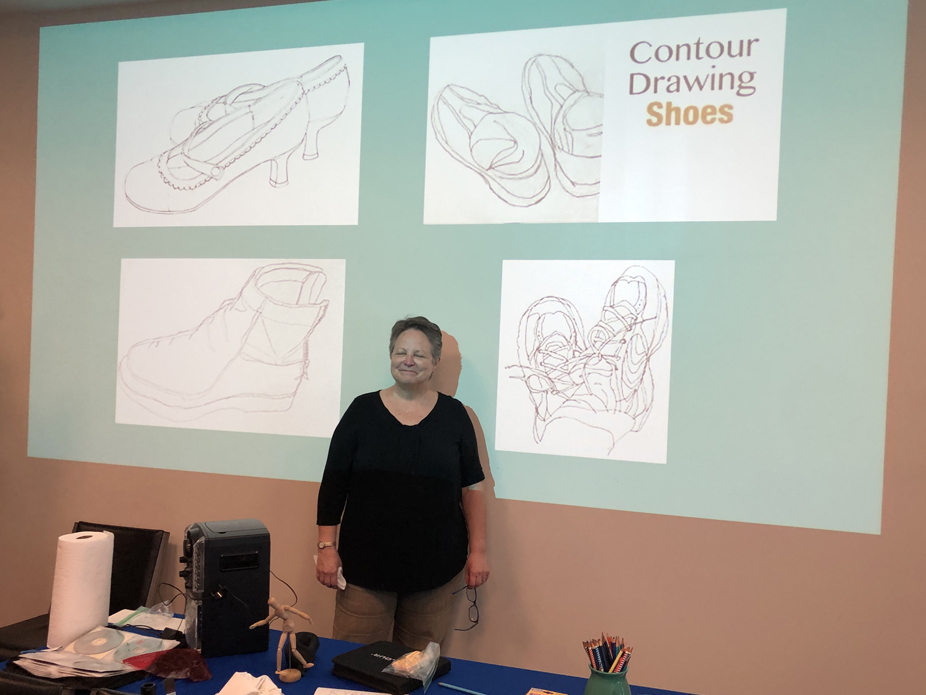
601, 392
692, 118
657, 120
618, 142
263, 138
231, 344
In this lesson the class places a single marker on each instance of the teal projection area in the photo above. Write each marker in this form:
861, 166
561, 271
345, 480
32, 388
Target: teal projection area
772, 409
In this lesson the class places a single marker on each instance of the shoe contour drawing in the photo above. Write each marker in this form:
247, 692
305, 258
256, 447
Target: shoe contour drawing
550, 340
501, 146
237, 132
604, 382
633, 326
570, 118
251, 354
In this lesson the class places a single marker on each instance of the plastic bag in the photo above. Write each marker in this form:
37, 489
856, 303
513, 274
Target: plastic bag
420, 665
162, 608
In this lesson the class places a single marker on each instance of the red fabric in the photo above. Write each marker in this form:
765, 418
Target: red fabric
174, 663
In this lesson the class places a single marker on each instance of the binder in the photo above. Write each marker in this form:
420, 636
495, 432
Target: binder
365, 665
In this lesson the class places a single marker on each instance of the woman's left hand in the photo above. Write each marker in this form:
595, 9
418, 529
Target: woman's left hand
477, 569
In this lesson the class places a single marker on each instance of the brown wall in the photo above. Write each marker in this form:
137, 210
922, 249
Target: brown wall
711, 607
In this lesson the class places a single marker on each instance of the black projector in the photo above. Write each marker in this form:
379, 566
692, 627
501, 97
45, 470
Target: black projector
227, 581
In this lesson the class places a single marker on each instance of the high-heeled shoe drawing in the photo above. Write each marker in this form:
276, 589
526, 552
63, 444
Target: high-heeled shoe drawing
501, 146
237, 132
251, 354
570, 117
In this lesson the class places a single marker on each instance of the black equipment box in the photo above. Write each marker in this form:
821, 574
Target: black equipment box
227, 581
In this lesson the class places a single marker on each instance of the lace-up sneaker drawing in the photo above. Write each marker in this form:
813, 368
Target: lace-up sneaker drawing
233, 134
251, 354
570, 117
550, 339
634, 323
500, 146
605, 382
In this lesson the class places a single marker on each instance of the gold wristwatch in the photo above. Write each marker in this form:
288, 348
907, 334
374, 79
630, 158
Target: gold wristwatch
326, 544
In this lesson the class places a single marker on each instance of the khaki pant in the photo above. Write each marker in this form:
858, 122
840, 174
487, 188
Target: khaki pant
414, 619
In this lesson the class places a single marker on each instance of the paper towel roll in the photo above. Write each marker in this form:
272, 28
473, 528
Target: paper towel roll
80, 595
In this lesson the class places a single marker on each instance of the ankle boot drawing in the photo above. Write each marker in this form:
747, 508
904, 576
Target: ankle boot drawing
251, 354
253, 124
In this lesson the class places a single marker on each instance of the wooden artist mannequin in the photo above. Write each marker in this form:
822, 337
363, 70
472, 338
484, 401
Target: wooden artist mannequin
290, 675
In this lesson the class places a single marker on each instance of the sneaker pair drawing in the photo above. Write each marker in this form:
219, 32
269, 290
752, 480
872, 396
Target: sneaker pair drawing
251, 354
603, 379
504, 147
218, 142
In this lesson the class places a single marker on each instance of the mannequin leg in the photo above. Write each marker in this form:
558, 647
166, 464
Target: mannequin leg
280, 652
294, 651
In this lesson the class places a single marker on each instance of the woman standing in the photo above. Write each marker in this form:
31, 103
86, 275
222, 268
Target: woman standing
403, 481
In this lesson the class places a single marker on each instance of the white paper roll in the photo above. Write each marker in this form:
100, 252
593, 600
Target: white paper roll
80, 595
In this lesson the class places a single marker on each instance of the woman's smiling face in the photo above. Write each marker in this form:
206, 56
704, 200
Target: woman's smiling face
411, 360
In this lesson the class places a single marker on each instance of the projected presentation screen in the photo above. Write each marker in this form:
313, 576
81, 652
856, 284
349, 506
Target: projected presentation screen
658, 239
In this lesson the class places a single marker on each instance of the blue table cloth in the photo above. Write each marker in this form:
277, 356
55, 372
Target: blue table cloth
489, 679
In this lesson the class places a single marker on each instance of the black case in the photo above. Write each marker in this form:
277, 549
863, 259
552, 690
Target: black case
227, 580
365, 665
307, 645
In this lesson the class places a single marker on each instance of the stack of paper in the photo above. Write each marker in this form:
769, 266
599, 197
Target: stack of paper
57, 663
99, 653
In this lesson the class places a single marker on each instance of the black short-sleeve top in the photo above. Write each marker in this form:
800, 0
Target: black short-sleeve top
396, 490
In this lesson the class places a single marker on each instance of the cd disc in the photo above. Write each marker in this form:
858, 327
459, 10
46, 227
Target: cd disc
94, 665
98, 641
133, 648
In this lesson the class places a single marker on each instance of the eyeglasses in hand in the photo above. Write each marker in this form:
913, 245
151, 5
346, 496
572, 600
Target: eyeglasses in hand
473, 612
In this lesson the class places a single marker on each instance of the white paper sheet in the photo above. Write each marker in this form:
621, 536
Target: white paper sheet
262, 138
584, 358
693, 118
244, 345
494, 153
656, 120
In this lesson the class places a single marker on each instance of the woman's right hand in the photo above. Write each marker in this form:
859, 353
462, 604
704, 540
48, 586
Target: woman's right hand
326, 570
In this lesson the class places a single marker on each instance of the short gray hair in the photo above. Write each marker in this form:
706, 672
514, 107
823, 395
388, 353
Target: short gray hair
419, 323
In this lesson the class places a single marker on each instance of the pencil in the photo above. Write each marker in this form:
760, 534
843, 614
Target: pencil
616, 661
623, 660
588, 652
462, 690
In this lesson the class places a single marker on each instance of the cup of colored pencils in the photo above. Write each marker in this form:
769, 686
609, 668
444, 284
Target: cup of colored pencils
608, 658
608, 654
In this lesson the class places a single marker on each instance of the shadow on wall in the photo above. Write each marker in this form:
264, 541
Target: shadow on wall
447, 374
483, 454
447, 380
